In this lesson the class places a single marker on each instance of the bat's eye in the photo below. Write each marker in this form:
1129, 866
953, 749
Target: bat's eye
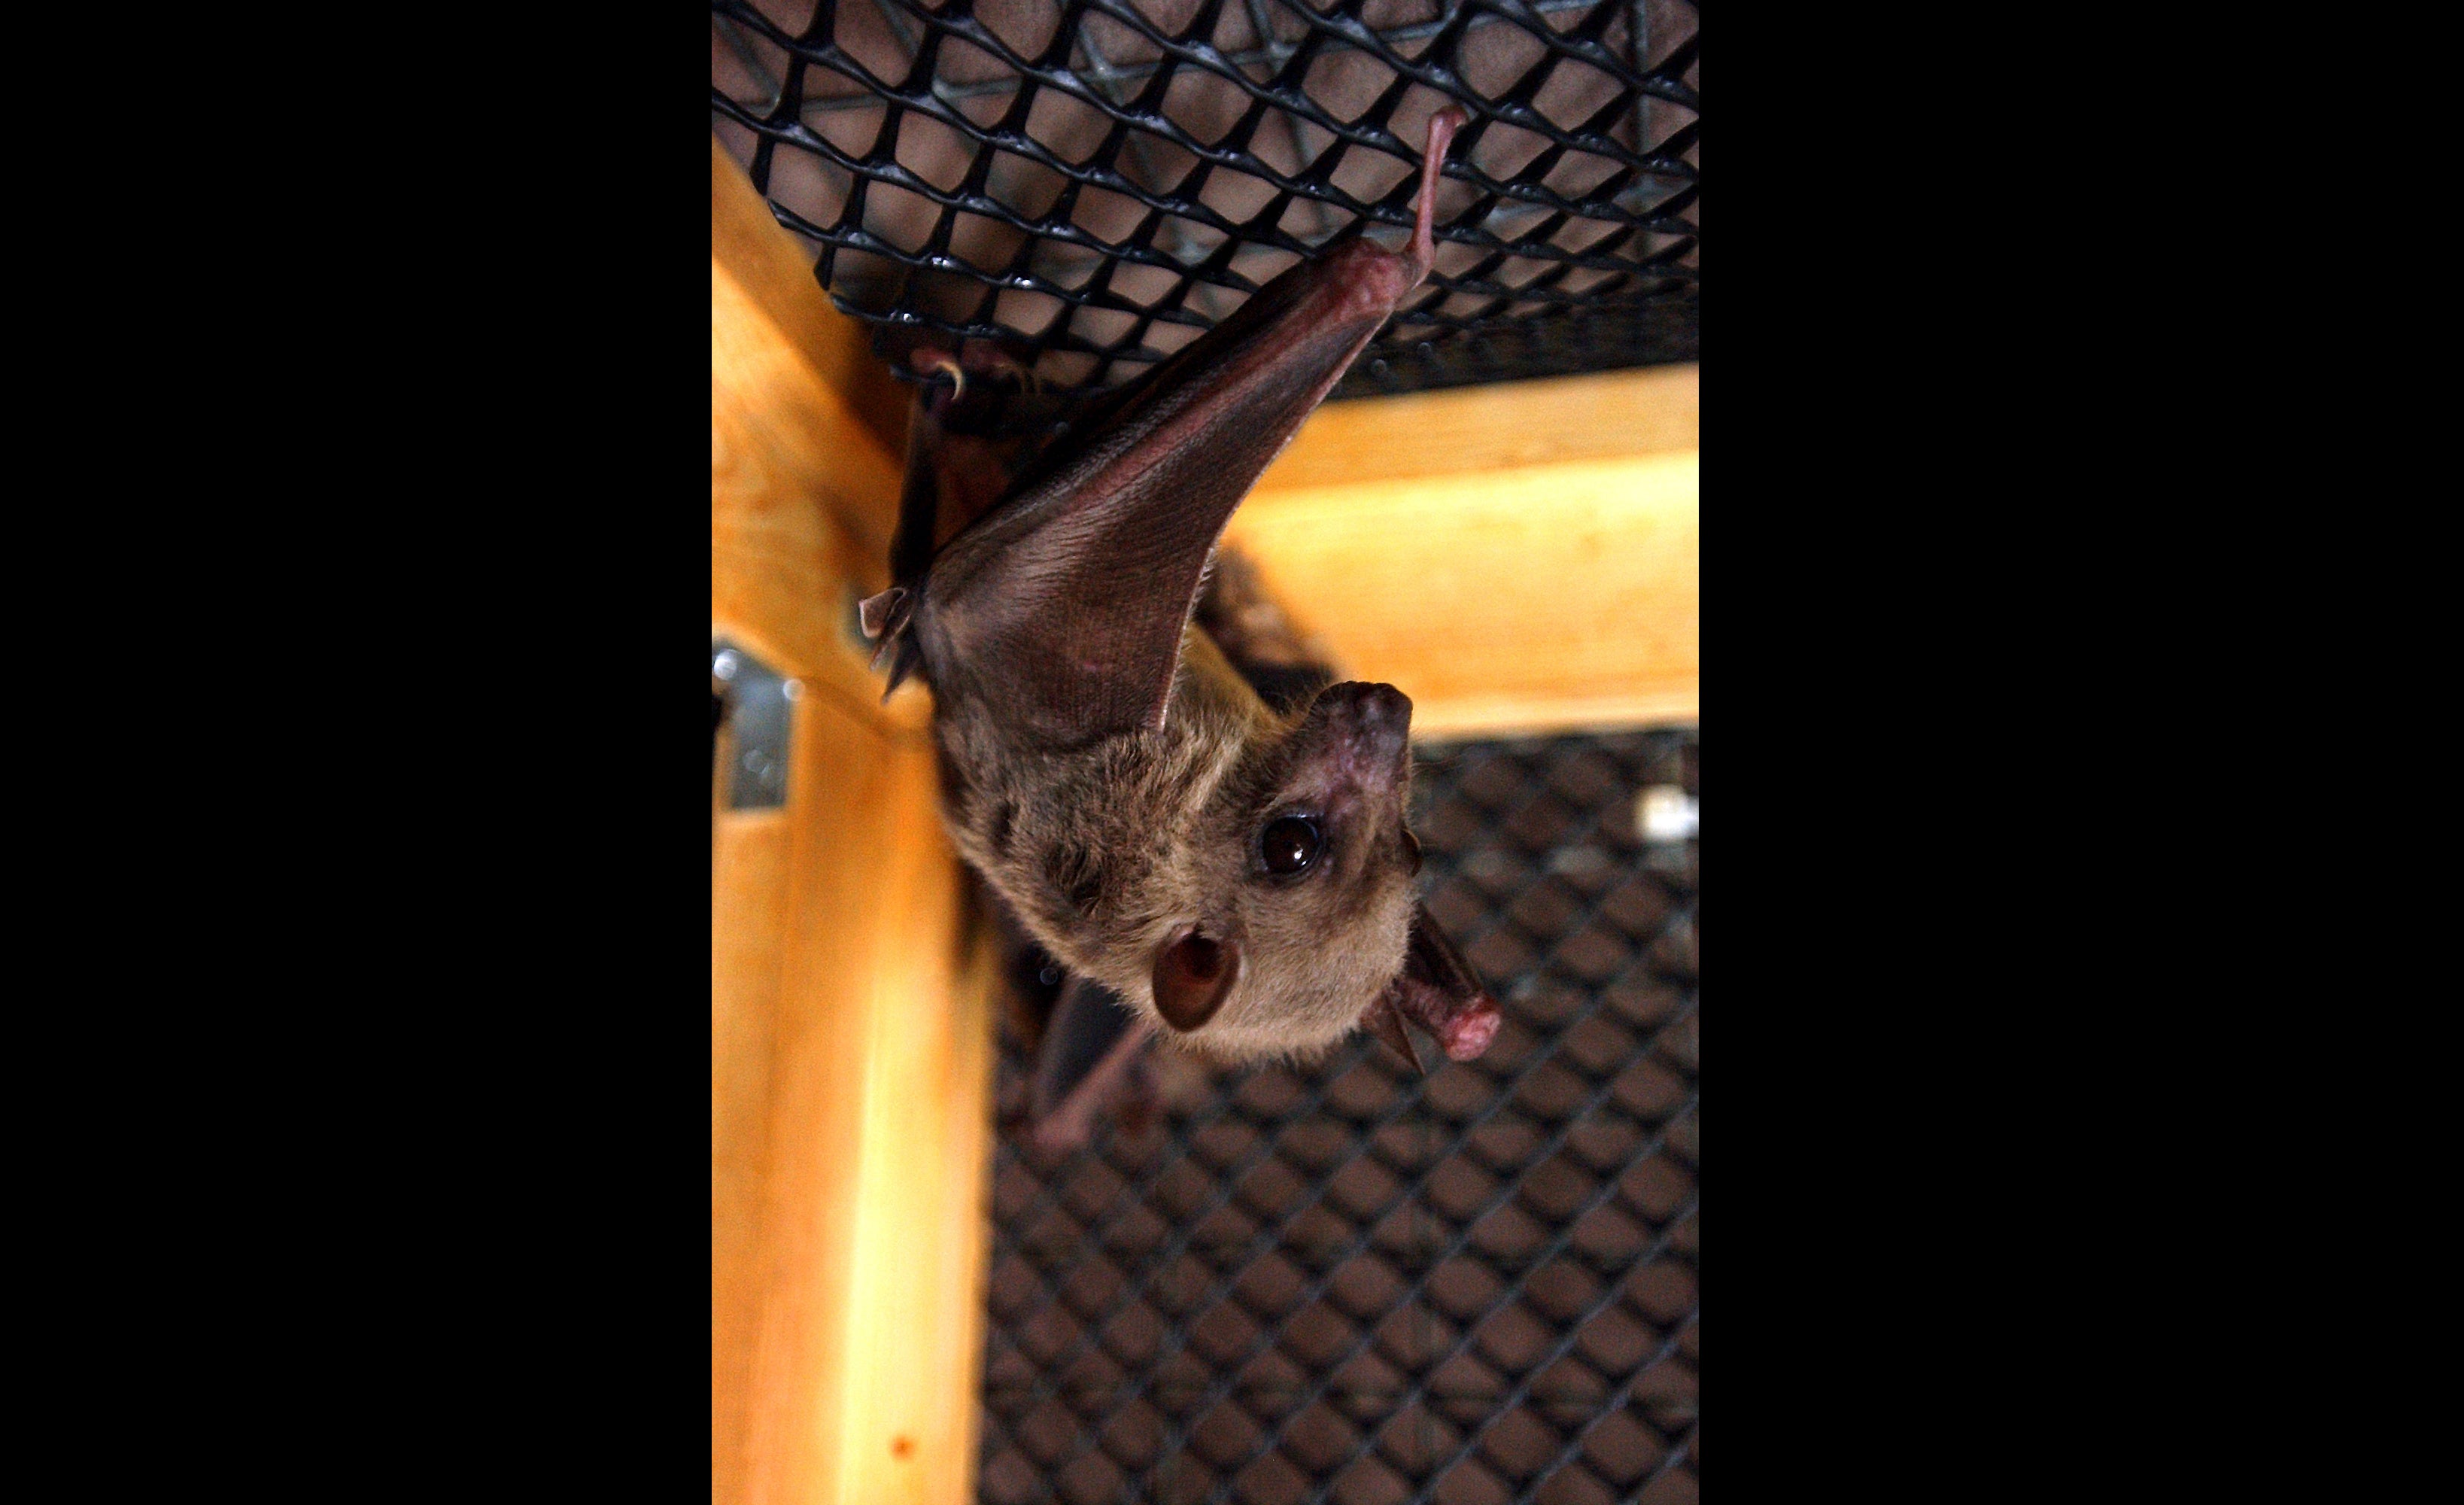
1289, 845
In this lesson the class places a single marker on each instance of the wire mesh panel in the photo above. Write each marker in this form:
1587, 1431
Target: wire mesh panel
1346, 1283
1102, 180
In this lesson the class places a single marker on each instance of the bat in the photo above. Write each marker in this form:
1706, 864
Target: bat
1228, 874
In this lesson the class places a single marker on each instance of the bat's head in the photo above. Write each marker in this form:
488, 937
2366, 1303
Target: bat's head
1307, 872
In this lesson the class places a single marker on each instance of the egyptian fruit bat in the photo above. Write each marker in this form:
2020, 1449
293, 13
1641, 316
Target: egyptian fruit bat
1235, 874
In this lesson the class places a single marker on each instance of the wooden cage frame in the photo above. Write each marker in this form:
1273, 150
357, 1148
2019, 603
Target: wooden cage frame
1518, 559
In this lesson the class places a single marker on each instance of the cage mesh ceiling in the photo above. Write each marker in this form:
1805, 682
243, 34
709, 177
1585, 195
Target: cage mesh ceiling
1344, 1282
1099, 181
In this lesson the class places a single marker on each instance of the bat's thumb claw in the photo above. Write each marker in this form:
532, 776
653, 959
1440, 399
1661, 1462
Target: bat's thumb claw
884, 614
885, 617
899, 667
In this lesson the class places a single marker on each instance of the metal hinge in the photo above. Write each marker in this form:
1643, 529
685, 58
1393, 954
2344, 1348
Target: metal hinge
759, 726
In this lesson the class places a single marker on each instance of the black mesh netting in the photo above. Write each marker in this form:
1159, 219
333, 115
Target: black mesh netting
1342, 1283
1104, 179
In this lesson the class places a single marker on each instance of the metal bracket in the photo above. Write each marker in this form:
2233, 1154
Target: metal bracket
758, 702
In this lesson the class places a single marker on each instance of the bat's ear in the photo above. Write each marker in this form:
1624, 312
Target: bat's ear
1192, 975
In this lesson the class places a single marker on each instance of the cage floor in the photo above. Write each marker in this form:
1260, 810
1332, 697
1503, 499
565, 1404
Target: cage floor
1340, 1283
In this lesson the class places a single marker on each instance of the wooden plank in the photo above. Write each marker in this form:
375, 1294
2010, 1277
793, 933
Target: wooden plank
861, 1284
1462, 430
1517, 558
850, 999
917, 1302
748, 932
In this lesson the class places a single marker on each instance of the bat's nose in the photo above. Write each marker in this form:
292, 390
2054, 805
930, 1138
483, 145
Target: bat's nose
1385, 711
1378, 717
1384, 699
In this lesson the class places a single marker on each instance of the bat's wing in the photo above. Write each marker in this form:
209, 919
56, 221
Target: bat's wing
1063, 608
1066, 607
1089, 1049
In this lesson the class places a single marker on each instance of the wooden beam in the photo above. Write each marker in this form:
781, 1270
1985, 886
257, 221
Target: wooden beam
1517, 558
1461, 431
851, 988
850, 1111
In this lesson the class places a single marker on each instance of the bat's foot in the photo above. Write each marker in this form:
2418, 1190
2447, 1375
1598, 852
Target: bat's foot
942, 362
1442, 127
974, 360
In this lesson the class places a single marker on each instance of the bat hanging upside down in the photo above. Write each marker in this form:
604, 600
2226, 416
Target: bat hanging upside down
1237, 876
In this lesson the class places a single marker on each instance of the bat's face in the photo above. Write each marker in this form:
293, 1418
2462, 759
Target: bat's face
1306, 875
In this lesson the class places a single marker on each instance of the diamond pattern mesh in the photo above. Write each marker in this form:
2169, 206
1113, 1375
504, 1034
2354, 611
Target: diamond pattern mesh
1341, 1283
1100, 181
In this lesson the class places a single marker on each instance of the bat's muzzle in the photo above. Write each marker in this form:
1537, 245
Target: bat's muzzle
1373, 723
